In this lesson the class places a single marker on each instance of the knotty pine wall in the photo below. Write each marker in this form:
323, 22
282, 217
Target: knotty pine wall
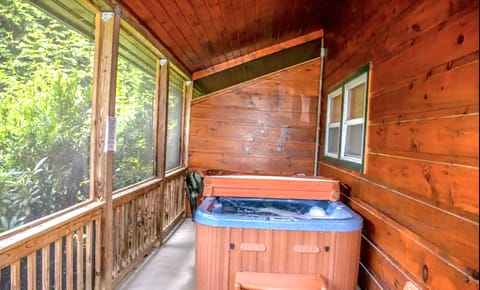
419, 194
264, 126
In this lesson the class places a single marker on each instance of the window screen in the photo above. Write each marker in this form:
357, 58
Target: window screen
135, 96
175, 119
46, 80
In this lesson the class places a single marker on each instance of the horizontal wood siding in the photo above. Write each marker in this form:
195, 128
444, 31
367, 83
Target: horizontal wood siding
264, 126
418, 194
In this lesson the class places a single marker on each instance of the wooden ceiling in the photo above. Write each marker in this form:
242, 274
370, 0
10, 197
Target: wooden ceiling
208, 36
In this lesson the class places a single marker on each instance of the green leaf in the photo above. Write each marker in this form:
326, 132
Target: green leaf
13, 222
4, 222
39, 164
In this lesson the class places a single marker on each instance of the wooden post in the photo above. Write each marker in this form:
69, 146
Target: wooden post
161, 113
161, 116
103, 129
186, 121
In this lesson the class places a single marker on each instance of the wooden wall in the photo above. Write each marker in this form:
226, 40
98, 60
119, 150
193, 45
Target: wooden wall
419, 192
264, 126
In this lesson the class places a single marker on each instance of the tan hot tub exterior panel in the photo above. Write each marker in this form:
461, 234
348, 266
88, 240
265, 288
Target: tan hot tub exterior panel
334, 255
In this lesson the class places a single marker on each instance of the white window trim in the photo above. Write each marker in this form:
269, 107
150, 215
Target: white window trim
332, 95
345, 123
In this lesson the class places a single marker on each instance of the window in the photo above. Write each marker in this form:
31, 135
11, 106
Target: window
46, 73
346, 114
175, 119
135, 97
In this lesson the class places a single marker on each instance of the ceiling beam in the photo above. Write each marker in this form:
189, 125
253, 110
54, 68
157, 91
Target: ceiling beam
258, 54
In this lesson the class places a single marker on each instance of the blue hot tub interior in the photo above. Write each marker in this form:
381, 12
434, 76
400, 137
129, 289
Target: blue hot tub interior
281, 214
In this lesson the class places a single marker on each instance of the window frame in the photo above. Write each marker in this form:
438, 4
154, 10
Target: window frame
337, 93
360, 76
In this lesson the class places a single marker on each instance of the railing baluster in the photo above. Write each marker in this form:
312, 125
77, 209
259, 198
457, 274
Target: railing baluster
80, 268
98, 253
31, 272
15, 275
121, 221
58, 264
88, 256
134, 229
141, 225
46, 267
69, 260
141, 218
115, 242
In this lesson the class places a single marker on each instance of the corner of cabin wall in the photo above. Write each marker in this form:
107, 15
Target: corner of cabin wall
418, 194
262, 126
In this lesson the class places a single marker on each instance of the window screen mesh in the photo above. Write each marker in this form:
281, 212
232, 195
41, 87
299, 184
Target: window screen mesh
175, 113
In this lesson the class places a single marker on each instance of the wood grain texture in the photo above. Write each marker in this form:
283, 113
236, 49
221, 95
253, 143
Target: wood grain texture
259, 280
211, 267
139, 218
46, 267
160, 116
251, 164
57, 264
216, 264
204, 34
80, 258
454, 40
408, 251
266, 126
249, 147
32, 272
422, 97
103, 106
69, 259
271, 187
421, 222
258, 54
450, 187
15, 281
366, 280
186, 122
419, 190
270, 134
452, 140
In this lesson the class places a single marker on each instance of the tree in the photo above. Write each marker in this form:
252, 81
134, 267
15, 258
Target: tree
46, 73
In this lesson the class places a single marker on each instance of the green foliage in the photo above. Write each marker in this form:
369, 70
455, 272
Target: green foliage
46, 80
45, 101
174, 122
133, 159
193, 188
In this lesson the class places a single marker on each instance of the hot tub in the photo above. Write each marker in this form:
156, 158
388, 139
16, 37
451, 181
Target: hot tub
275, 235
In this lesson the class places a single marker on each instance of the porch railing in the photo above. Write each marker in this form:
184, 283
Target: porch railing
65, 252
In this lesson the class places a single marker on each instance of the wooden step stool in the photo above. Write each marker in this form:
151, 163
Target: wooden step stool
278, 281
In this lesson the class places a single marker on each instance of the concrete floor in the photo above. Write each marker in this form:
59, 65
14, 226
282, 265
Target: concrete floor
171, 267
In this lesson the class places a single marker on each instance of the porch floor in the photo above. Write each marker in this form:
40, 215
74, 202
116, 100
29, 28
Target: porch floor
171, 267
